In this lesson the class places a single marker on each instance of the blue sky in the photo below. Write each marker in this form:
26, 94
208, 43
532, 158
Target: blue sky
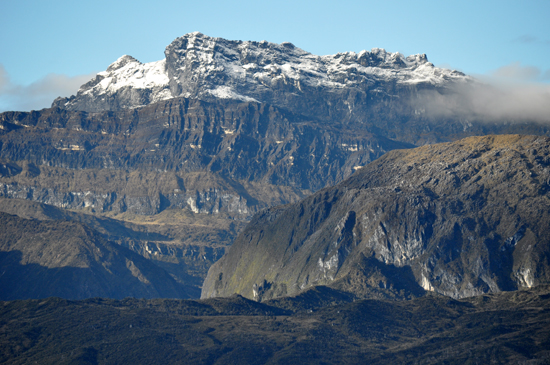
49, 48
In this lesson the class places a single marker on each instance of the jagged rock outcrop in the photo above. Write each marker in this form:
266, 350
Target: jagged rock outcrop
202, 67
459, 218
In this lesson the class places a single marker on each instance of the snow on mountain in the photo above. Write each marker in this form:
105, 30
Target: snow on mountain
198, 66
129, 72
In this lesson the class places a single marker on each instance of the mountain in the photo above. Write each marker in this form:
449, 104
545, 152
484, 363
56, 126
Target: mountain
201, 67
228, 127
183, 152
459, 219
385, 93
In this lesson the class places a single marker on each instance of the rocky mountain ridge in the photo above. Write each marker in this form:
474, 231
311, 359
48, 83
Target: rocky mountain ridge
384, 93
202, 67
459, 219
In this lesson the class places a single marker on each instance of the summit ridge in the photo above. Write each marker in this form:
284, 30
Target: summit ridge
208, 68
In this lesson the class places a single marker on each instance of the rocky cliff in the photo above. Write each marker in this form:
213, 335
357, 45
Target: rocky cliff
459, 219
230, 158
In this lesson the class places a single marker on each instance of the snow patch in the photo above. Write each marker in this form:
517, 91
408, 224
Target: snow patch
425, 283
225, 92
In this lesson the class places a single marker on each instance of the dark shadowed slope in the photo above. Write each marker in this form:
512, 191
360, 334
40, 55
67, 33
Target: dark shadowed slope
40, 259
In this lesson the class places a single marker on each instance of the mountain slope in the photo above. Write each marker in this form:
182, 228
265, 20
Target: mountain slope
459, 219
70, 260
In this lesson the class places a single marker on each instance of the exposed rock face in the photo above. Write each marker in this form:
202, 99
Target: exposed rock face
232, 158
464, 218
202, 67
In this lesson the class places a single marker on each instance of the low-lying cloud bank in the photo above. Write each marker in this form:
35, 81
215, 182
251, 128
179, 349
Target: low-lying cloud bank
39, 94
513, 93
488, 101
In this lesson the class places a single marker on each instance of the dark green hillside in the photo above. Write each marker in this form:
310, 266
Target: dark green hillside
498, 328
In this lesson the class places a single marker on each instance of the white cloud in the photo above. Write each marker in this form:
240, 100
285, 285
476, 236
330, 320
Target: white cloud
516, 72
39, 94
510, 93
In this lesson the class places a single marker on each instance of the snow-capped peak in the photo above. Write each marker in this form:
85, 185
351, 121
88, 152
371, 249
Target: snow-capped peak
203, 67
121, 62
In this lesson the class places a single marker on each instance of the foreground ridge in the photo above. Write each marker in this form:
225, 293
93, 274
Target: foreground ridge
460, 219
504, 328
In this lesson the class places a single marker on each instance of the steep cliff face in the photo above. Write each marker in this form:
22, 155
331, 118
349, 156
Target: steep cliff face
459, 219
232, 158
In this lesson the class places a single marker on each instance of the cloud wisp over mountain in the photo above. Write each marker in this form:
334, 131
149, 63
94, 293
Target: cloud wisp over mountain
40, 93
510, 93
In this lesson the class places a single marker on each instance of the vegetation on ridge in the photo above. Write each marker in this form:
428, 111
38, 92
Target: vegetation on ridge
509, 327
